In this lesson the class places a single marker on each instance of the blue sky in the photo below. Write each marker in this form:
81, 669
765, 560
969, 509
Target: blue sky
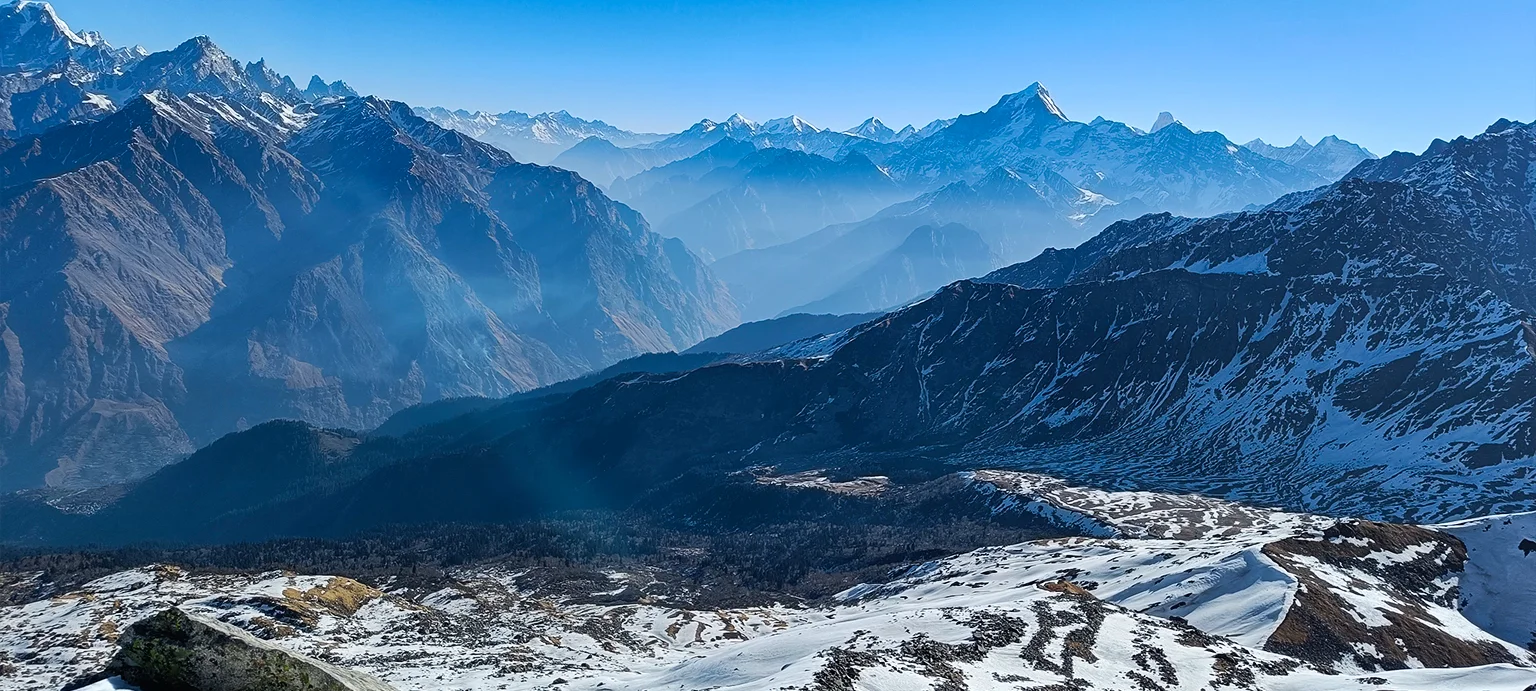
1389, 75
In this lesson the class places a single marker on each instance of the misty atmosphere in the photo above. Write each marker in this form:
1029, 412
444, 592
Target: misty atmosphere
369, 381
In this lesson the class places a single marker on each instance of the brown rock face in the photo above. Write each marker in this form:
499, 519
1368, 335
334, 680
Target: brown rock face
1327, 626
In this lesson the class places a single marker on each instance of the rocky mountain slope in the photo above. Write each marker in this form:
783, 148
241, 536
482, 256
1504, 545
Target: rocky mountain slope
929, 256
758, 336
333, 267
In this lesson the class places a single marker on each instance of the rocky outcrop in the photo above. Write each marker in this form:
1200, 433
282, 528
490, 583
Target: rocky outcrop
174, 651
1378, 596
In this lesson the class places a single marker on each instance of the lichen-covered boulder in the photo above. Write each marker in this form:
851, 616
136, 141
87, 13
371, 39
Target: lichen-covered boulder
175, 651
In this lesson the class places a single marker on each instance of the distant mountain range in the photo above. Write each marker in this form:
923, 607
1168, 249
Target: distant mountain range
532, 138
692, 185
1172, 169
1016, 214
773, 196
1083, 177
1331, 157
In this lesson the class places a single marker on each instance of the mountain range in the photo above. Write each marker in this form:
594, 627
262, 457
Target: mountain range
335, 271
1016, 213
1360, 349
532, 138
1331, 157
224, 227
691, 185
773, 196
50, 75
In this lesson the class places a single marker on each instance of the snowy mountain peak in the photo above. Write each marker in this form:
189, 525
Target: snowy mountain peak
1035, 96
1164, 119
737, 120
318, 89
875, 130
1331, 157
929, 129
199, 49
793, 124
33, 36
41, 14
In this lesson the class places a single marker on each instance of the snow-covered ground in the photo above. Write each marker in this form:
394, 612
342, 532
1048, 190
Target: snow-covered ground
1498, 591
1188, 593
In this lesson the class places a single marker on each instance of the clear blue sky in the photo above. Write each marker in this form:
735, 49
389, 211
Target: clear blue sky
1387, 74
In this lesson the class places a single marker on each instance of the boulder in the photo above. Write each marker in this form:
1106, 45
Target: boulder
176, 651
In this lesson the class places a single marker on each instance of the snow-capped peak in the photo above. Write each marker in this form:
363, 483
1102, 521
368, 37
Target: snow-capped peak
1033, 94
41, 13
199, 49
736, 120
875, 130
1164, 119
793, 124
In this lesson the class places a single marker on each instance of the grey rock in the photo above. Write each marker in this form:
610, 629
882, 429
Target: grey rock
175, 651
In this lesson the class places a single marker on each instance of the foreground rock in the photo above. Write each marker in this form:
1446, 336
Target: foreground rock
174, 651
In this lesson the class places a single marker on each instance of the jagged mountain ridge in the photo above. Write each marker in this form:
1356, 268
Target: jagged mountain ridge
1331, 157
603, 164
32, 36
533, 138
335, 272
51, 75
1171, 169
